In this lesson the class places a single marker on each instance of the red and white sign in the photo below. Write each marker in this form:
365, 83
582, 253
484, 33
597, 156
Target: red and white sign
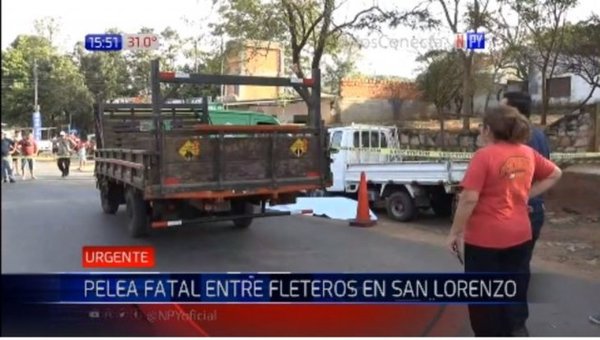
118, 257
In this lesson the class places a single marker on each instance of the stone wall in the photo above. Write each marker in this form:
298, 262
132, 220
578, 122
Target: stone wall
575, 132
572, 133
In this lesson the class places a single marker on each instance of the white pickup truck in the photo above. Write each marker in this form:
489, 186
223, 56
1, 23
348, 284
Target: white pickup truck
402, 187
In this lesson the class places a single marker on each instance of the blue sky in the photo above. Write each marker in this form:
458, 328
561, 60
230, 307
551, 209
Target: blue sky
391, 54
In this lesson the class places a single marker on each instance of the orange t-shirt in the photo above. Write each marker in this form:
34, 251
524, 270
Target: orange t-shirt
502, 173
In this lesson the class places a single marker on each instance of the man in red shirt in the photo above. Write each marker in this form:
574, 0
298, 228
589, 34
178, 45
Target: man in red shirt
29, 150
493, 213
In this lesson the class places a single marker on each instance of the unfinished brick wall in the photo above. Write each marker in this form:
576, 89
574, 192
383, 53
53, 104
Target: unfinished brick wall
375, 101
378, 89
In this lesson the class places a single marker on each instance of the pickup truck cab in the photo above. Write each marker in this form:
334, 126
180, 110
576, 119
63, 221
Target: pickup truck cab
402, 187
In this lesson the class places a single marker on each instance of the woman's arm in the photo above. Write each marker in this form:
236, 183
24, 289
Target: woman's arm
543, 185
466, 203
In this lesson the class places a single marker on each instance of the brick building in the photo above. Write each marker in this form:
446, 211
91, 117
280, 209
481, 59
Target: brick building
253, 58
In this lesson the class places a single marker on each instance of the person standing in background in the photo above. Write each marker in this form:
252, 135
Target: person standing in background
538, 141
16, 155
63, 154
493, 214
8, 145
82, 153
29, 150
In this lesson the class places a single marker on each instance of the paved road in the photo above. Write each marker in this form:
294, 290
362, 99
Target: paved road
46, 222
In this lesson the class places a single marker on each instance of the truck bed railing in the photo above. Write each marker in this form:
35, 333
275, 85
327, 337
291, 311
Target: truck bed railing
314, 101
230, 155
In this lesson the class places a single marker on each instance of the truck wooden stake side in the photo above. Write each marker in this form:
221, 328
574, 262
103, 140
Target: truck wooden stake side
170, 166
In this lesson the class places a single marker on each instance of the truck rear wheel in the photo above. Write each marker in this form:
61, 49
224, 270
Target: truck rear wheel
441, 204
242, 208
400, 206
137, 212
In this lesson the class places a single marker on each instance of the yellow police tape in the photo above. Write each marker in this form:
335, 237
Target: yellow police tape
580, 157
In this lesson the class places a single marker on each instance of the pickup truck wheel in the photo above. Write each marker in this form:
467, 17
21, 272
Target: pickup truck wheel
442, 204
109, 202
400, 206
137, 213
242, 208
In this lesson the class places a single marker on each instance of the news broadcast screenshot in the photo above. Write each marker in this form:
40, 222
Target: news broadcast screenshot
300, 168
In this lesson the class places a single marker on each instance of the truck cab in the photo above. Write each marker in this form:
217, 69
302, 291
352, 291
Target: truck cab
359, 144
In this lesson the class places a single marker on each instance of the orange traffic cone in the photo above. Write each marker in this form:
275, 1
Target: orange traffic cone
363, 215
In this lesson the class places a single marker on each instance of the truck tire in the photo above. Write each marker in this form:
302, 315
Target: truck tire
137, 212
242, 208
441, 204
108, 199
400, 206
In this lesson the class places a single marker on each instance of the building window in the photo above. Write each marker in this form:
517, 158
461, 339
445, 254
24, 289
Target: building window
559, 87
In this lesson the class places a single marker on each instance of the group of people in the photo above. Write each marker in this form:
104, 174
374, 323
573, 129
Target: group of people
26, 149
500, 212
64, 146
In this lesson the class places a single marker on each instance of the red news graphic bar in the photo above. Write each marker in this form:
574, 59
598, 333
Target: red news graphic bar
118, 257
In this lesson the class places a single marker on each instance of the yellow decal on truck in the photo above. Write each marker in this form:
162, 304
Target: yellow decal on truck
190, 149
299, 147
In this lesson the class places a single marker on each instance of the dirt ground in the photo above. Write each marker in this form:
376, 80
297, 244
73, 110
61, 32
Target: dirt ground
570, 238
571, 234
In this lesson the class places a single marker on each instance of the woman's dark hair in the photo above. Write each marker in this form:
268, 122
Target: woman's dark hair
507, 124
520, 100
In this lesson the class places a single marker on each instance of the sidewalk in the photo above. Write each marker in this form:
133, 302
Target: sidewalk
49, 170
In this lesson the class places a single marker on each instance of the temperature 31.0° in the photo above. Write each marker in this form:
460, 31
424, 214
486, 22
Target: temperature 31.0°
140, 42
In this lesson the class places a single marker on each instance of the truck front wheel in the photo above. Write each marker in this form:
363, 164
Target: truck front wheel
137, 212
400, 206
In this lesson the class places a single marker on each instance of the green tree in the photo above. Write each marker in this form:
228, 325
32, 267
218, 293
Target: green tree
106, 74
47, 27
61, 88
139, 66
339, 66
441, 83
508, 48
476, 16
545, 23
580, 54
306, 28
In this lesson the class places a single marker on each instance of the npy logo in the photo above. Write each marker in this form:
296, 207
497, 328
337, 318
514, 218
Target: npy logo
470, 41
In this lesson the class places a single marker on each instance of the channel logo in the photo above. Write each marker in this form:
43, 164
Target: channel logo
470, 41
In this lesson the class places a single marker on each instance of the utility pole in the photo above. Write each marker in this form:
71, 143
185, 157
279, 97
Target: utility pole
222, 68
35, 87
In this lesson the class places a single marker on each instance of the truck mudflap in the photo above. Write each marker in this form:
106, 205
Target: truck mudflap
209, 219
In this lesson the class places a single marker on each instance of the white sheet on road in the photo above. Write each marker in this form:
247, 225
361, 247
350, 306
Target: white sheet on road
339, 208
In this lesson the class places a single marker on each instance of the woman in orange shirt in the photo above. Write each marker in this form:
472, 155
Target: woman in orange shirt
492, 216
